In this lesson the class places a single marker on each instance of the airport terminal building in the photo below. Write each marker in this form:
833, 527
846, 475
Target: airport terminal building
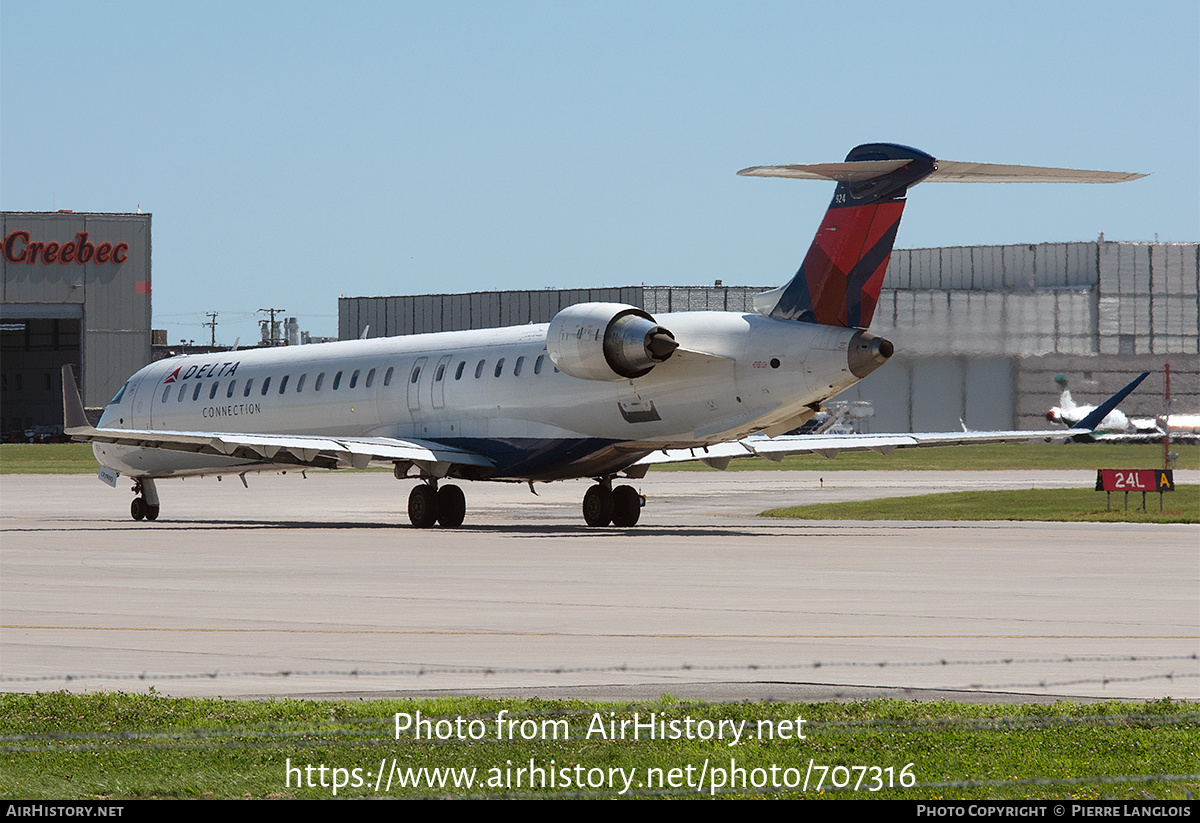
75, 289
980, 332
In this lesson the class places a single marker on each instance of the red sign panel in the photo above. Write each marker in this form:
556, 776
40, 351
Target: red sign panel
1134, 480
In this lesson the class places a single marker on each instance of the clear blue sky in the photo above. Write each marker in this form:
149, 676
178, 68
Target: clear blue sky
294, 152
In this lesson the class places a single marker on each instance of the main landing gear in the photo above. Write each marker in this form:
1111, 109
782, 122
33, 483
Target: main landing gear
427, 505
603, 504
145, 506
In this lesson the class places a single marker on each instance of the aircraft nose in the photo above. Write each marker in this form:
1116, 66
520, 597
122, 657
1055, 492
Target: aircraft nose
867, 352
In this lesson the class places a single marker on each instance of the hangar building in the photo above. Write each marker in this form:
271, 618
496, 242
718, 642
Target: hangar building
980, 332
74, 288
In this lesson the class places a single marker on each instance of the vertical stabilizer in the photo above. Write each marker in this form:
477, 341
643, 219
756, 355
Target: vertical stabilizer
839, 281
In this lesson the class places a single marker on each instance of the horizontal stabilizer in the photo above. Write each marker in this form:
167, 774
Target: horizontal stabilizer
842, 172
945, 171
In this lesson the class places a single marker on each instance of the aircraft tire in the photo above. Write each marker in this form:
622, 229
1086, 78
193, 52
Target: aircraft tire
422, 506
137, 509
151, 512
627, 506
451, 507
598, 506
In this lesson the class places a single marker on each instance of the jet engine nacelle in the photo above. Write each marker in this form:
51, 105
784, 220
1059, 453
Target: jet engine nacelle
607, 341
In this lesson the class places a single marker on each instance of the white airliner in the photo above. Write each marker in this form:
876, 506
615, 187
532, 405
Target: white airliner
1117, 426
601, 391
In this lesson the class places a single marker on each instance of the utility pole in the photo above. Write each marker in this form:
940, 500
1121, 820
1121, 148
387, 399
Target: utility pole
274, 329
212, 324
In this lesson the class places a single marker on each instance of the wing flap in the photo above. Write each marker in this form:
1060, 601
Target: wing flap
777, 448
293, 450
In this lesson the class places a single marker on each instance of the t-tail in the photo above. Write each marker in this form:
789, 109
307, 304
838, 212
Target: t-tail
838, 283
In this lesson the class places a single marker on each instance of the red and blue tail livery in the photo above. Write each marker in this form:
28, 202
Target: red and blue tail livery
839, 281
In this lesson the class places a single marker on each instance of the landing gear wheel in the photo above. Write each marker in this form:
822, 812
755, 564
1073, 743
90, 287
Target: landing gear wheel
151, 512
137, 509
423, 506
626, 506
598, 506
451, 506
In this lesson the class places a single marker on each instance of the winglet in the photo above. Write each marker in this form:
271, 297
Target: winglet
1093, 420
74, 417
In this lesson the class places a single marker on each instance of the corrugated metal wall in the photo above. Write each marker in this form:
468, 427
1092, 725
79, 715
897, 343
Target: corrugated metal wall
417, 314
978, 329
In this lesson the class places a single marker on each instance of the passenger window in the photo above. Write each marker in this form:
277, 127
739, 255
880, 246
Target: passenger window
517, 367
249, 386
196, 393
283, 383
458, 374
441, 372
479, 369
337, 381
232, 386
166, 392
387, 378
354, 378
537, 364
300, 383
370, 378
182, 392
266, 386
213, 392
499, 366
416, 374
320, 380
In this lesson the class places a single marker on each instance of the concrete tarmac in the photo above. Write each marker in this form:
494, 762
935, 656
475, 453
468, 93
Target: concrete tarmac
318, 587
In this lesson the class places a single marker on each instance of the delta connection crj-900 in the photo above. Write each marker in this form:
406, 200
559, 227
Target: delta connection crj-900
603, 391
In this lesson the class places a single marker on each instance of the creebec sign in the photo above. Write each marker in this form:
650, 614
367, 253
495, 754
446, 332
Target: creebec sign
20, 248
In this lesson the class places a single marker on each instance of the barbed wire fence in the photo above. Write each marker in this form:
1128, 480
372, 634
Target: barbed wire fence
367, 732
1187, 673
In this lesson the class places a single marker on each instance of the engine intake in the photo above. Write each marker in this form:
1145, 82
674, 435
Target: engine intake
607, 341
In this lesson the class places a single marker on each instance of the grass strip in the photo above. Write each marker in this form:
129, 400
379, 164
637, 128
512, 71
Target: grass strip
1067, 505
130, 746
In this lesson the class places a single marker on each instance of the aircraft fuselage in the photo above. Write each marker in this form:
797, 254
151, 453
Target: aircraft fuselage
494, 392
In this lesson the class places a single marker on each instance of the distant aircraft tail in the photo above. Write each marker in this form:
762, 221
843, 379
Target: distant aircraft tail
839, 281
1065, 401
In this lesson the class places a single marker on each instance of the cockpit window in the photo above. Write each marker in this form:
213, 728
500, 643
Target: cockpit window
120, 392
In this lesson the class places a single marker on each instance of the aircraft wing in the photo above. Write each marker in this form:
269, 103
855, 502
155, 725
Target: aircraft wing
292, 450
829, 445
